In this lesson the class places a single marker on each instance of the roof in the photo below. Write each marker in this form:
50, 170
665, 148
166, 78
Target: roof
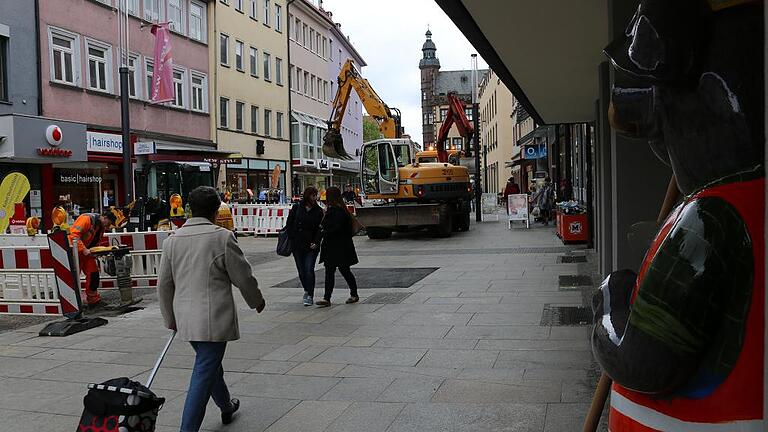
459, 81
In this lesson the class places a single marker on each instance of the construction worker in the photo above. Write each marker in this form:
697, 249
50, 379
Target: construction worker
89, 229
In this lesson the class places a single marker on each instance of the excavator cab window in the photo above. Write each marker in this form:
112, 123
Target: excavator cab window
387, 163
370, 163
380, 169
402, 154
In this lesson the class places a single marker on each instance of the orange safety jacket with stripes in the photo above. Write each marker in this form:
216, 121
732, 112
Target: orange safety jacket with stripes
88, 230
736, 404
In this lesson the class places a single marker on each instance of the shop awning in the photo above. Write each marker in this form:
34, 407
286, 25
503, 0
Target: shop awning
545, 51
308, 119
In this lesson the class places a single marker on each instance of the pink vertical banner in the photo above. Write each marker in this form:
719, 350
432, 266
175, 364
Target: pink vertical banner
162, 77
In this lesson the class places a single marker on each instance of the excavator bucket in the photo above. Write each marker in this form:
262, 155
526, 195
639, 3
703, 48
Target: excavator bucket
333, 145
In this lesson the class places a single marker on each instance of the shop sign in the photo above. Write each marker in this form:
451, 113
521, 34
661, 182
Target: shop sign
222, 160
54, 152
536, 151
323, 164
104, 142
39, 140
77, 178
144, 147
574, 227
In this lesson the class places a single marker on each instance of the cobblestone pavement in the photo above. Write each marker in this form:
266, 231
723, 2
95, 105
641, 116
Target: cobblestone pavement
462, 348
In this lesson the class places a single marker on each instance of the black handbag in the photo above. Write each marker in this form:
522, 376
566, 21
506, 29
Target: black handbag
284, 243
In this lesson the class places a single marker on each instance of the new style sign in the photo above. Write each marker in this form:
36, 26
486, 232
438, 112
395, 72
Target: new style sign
104, 142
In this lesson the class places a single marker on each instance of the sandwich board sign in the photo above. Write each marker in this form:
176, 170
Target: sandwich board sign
517, 208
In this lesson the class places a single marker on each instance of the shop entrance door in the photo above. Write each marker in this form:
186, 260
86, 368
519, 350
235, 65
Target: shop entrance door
109, 192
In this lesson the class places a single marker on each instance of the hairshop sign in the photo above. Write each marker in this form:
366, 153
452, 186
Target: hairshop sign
77, 178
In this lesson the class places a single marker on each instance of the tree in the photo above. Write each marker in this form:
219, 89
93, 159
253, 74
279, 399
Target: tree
370, 129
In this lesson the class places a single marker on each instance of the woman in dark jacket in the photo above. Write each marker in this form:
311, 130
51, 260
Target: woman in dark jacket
304, 232
338, 249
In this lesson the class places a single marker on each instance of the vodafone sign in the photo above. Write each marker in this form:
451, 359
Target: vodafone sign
54, 135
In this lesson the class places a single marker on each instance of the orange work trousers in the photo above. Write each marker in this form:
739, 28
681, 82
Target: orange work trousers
90, 268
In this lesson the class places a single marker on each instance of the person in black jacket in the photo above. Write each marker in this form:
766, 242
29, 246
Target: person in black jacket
338, 249
304, 231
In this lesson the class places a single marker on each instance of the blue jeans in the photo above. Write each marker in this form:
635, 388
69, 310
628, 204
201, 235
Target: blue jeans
207, 381
305, 264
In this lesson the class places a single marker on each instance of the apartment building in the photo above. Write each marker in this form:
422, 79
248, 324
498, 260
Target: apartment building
499, 133
250, 63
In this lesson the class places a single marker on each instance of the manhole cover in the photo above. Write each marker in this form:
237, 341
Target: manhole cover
572, 259
387, 298
566, 315
370, 278
574, 281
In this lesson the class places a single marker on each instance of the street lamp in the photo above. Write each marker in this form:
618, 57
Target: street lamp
476, 137
122, 20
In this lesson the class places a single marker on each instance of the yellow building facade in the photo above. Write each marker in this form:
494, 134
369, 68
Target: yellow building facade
249, 102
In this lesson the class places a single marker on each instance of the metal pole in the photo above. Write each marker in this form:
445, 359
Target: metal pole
124, 103
476, 138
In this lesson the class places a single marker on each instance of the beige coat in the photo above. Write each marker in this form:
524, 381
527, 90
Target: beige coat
199, 265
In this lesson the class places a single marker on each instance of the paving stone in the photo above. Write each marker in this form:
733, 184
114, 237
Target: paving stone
532, 359
361, 341
371, 356
358, 389
325, 340
271, 367
32, 394
463, 300
496, 375
445, 417
367, 416
434, 318
465, 391
86, 372
317, 369
20, 351
308, 354
425, 331
578, 391
357, 371
411, 390
498, 332
556, 374
256, 414
14, 367
537, 345
34, 421
283, 386
458, 359
310, 416
561, 416
462, 344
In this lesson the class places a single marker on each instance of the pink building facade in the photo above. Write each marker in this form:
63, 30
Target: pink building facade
80, 61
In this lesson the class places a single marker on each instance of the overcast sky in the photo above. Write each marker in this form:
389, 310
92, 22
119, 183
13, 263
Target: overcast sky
389, 34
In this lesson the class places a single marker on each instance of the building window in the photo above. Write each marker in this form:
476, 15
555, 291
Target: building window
239, 47
64, 56
239, 5
318, 41
224, 49
267, 122
312, 40
134, 83
224, 112
279, 125
278, 71
254, 119
133, 7
253, 10
443, 113
291, 80
325, 47
199, 92
266, 12
3, 69
278, 18
99, 66
325, 91
267, 58
468, 113
254, 57
179, 78
239, 107
306, 83
148, 71
297, 30
304, 31
312, 86
176, 15
197, 19
153, 10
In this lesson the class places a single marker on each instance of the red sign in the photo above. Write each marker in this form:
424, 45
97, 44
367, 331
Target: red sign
54, 152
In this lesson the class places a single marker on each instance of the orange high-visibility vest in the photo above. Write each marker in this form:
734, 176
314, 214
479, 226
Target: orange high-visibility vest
736, 405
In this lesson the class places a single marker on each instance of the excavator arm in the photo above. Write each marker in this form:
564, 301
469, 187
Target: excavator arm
388, 118
455, 116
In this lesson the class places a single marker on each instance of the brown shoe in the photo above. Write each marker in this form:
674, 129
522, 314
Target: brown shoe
323, 303
353, 299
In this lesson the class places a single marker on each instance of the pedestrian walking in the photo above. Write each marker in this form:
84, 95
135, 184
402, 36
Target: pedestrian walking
338, 249
89, 230
510, 189
198, 267
304, 231
545, 199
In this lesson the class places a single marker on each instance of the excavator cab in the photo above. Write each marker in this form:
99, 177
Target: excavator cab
380, 164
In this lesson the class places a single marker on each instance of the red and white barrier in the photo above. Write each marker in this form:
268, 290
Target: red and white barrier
259, 218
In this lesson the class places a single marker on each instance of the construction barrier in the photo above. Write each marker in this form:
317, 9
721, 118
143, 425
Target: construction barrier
259, 219
28, 282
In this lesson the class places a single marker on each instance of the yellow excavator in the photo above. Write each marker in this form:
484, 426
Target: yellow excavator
401, 194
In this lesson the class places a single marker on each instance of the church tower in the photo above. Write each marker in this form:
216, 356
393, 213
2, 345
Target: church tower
430, 67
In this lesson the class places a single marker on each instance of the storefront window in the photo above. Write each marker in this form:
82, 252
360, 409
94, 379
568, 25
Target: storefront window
78, 190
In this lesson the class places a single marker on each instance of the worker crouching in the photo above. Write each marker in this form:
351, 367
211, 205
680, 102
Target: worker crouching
89, 230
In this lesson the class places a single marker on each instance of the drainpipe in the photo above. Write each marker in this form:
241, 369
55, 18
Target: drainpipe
37, 52
289, 168
216, 57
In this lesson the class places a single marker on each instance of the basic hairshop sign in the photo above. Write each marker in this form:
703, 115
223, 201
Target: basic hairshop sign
100, 142
78, 178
